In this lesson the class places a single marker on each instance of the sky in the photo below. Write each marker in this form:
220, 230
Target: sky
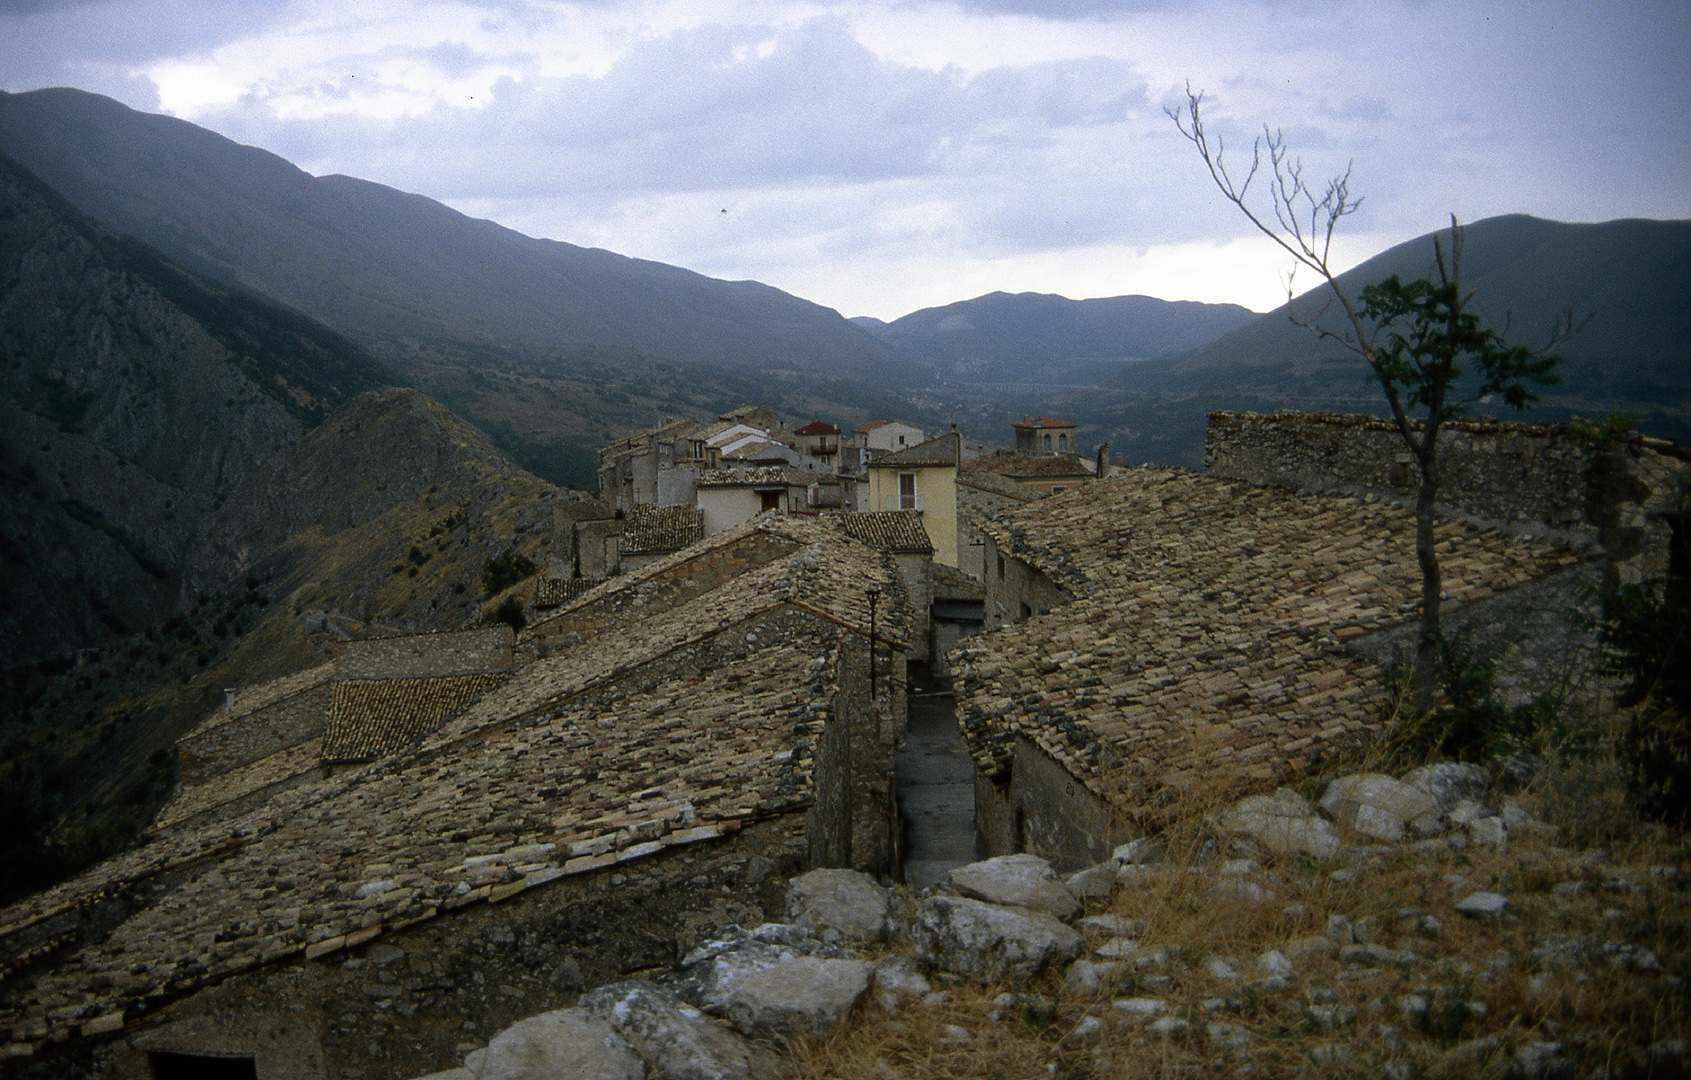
880, 157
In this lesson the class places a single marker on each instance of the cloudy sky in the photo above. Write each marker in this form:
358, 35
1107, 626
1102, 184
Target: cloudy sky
879, 157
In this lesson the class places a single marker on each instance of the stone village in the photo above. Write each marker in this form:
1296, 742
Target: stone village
371, 862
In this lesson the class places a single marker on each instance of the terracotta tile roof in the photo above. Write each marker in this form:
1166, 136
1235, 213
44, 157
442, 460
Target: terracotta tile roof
1010, 463
1205, 637
895, 530
550, 592
1036, 423
944, 449
372, 717
652, 530
870, 426
336, 862
818, 427
994, 484
950, 583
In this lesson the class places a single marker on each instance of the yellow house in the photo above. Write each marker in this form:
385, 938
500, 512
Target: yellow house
923, 478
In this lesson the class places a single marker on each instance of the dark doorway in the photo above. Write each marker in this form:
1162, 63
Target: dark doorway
169, 1066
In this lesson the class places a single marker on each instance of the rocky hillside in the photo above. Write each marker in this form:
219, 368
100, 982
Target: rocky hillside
1425, 926
380, 520
136, 398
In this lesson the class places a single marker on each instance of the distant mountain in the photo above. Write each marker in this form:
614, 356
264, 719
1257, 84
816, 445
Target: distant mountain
1022, 335
134, 398
1632, 278
385, 266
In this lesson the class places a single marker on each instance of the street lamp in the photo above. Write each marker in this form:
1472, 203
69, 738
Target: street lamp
874, 595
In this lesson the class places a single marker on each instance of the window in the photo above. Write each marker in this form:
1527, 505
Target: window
1047, 444
696, 447
907, 492
1056, 488
901, 440
771, 500
1001, 567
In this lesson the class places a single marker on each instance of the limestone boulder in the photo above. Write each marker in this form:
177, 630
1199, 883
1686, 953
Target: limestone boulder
1376, 805
676, 1040
565, 1042
989, 942
845, 901
1448, 783
1282, 823
782, 996
1023, 880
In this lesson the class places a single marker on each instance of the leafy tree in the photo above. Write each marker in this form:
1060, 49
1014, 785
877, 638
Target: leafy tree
1421, 340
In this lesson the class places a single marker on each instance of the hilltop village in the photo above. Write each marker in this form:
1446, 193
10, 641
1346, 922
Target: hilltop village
706, 686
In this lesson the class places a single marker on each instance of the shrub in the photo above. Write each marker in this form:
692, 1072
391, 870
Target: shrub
504, 571
1468, 722
510, 612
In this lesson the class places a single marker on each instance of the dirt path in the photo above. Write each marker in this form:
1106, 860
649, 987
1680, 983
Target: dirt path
936, 793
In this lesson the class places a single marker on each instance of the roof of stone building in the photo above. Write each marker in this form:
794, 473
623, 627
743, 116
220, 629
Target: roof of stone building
762, 476
232, 785
896, 530
818, 427
1013, 464
940, 450
254, 698
1040, 422
335, 863
992, 483
950, 583
1205, 635
372, 717
551, 592
651, 530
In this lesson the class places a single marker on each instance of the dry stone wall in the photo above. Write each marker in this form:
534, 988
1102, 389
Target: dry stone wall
293, 720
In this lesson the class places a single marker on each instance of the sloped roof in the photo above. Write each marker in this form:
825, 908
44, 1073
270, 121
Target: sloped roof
896, 530
760, 476
551, 592
940, 450
653, 530
1036, 423
1206, 630
818, 427
1032, 466
372, 717
252, 699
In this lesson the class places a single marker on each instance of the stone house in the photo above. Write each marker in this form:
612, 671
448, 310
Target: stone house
822, 441
624, 790
900, 534
654, 467
922, 478
1037, 474
1161, 634
1036, 435
730, 497
879, 437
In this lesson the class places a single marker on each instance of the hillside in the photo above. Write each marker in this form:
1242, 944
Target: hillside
1000, 336
378, 521
397, 269
136, 397
1634, 355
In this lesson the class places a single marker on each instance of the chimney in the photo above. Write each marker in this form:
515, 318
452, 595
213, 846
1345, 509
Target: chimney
228, 697
1103, 459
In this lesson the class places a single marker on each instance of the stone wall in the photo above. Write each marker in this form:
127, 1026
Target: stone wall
414, 656
411, 1001
262, 732
1014, 590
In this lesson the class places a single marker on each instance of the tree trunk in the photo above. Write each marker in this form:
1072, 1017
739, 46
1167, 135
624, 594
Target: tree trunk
1426, 676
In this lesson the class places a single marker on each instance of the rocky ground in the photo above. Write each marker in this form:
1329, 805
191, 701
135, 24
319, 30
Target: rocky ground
1422, 926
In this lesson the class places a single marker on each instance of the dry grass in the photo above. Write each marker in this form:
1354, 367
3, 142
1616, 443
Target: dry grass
1475, 993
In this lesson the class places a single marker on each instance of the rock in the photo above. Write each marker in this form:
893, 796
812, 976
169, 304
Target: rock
1274, 964
1136, 852
1282, 824
1118, 948
1110, 925
1482, 905
1093, 883
1332, 1016
1488, 831
843, 900
988, 941
567, 1042
789, 997
1221, 968
1169, 1026
1339, 930
1090, 1029
449, 1074
1239, 889
1314, 948
898, 978
1448, 783
1539, 1059
1375, 805
1466, 811
1135, 874
1087, 977
1141, 1006
677, 1041
1518, 820
1022, 880
1227, 1036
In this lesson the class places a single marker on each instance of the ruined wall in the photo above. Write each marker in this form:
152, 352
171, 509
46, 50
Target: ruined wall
1054, 815
414, 656
917, 572
411, 1001
260, 733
